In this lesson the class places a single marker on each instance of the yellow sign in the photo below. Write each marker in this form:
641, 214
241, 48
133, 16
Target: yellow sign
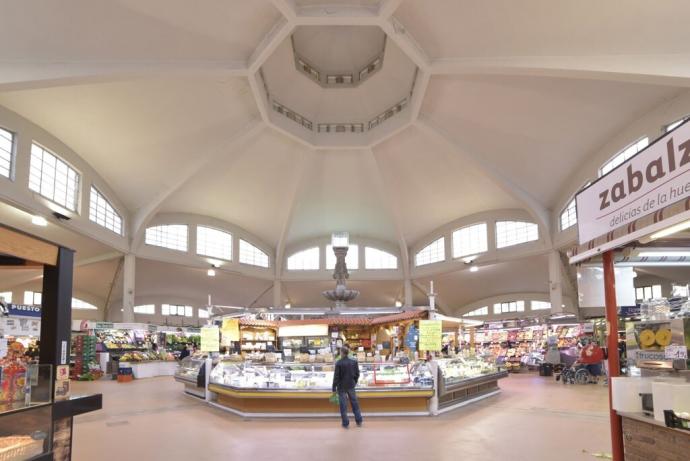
210, 339
430, 335
230, 330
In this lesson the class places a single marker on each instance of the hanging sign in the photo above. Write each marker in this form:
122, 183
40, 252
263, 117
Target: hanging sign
653, 179
210, 339
230, 330
430, 335
24, 310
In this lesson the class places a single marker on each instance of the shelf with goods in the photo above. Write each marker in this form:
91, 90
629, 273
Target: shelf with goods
258, 339
85, 363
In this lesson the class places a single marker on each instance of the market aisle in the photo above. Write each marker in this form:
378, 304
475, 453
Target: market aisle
533, 418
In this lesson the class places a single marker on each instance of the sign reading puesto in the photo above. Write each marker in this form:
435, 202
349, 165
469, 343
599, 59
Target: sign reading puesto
653, 179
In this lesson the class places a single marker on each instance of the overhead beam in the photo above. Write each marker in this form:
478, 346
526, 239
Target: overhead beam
402, 37
388, 7
176, 181
287, 8
26, 75
538, 212
669, 70
279, 32
22, 246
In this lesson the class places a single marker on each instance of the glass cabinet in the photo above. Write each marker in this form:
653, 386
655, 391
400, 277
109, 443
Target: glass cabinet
318, 376
189, 369
460, 370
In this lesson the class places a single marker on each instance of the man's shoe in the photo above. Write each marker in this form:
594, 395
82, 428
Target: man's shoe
359, 424
346, 427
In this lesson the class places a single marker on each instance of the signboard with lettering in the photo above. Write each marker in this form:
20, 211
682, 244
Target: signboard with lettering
24, 310
210, 339
676, 352
651, 180
430, 335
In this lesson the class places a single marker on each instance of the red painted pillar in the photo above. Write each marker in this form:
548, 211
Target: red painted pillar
613, 359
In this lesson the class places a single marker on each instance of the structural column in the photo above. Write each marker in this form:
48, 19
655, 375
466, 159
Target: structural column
613, 359
555, 282
277, 294
128, 286
407, 292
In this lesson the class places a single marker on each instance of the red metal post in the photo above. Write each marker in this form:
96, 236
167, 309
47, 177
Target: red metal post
613, 359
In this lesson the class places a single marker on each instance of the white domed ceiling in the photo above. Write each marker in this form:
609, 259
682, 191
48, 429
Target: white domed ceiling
207, 110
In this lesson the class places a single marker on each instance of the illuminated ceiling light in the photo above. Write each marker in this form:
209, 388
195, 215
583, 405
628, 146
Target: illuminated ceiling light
663, 254
39, 221
398, 304
671, 230
211, 272
288, 305
474, 269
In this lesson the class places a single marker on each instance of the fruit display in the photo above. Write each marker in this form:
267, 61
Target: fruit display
653, 336
147, 356
13, 378
84, 353
118, 340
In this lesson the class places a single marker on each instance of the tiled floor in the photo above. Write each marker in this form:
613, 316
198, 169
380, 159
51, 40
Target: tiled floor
532, 419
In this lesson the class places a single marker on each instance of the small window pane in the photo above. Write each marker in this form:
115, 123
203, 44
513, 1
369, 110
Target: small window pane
249, 254
32, 298
656, 291
304, 260
470, 240
639, 293
148, 309
214, 243
103, 213
569, 215
53, 178
188, 311
6, 296
675, 124
625, 154
6, 151
540, 305
432, 253
79, 304
510, 233
379, 259
351, 259
478, 312
203, 314
172, 236
647, 292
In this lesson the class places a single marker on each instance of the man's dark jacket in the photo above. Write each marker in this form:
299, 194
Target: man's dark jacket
346, 374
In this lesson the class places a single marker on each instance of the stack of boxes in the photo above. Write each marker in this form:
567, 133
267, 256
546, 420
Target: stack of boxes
84, 350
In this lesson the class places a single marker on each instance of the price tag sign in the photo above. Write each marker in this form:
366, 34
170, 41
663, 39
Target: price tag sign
430, 335
676, 352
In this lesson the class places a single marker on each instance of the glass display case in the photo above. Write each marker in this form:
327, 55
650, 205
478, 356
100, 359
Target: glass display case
462, 377
318, 376
192, 373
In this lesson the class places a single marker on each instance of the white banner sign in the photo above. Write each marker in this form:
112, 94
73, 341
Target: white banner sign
651, 180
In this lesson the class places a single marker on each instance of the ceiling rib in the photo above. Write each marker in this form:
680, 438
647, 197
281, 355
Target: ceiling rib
145, 213
539, 213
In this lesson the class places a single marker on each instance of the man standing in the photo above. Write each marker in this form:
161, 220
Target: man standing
344, 382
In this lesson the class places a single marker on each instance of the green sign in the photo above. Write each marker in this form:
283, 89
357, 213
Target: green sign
104, 326
153, 328
210, 339
430, 335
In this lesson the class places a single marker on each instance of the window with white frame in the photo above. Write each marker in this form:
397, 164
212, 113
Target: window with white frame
627, 153
172, 236
249, 254
203, 313
648, 292
477, 312
148, 309
178, 310
103, 213
213, 242
432, 253
6, 296
80, 304
509, 233
507, 307
540, 305
470, 240
32, 298
672, 126
51, 177
305, 260
379, 259
351, 259
569, 215
6, 152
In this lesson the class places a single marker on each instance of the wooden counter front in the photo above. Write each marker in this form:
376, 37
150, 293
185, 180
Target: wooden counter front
266, 402
650, 441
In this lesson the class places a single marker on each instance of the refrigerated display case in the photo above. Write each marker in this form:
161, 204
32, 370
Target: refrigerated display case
284, 389
463, 378
192, 373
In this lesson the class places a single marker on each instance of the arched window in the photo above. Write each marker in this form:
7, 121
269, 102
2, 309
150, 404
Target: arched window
625, 154
148, 309
673, 125
477, 312
540, 305
51, 177
379, 259
432, 253
305, 260
6, 151
213, 242
249, 254
470, 240
103, 213
511, 306
509, 233
351, 259
172, 236
79, 304
569, 215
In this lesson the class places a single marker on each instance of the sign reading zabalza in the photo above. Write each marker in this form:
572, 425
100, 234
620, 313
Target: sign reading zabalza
653, 179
